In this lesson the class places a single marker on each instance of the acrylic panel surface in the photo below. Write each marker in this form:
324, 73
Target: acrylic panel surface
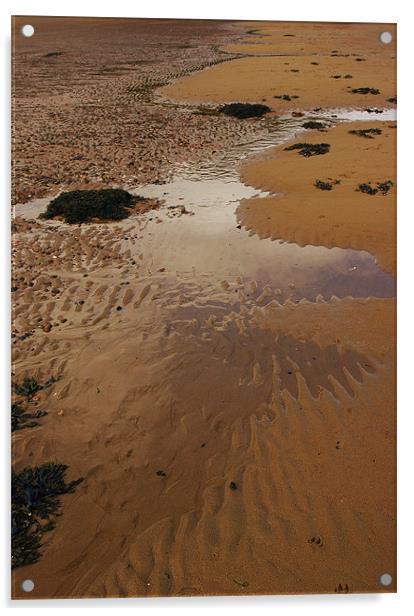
203, 293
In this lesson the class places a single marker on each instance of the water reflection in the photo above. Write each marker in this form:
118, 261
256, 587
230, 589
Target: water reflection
200, 236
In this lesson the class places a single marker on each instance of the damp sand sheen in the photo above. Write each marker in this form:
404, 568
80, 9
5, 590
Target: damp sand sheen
225, 362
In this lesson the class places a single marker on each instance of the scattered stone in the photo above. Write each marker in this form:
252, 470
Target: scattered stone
233, 486
317, 541
342, 589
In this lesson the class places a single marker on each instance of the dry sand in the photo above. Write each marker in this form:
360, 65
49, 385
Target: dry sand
273, 423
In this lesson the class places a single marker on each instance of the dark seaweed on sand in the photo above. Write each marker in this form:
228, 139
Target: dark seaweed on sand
20, 418
30, 386
323, 185
310, 149
79, 206
382, 187
313, 124
286, 97
366, 132
35, 505
244, 110
365, 91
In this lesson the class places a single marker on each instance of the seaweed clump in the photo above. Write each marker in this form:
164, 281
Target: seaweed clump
325, 185
35, 506
30, 386
20, 418
382, 187
286, 97
366, 132
244, 110
310, 149
78, 206
314, 124
365, 91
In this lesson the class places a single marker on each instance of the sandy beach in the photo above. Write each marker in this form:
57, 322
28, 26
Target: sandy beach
219, 367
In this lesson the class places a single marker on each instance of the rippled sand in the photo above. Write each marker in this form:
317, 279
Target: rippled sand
226, 370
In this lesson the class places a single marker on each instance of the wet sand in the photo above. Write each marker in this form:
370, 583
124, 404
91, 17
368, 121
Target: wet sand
342, 216
225, 364
319, 65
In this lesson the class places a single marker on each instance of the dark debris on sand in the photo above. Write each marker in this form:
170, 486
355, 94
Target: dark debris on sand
35, 506
244, 110
368, 133
310, 149
382, 187
79, 206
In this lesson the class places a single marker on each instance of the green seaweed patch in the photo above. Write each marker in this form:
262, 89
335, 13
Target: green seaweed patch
20, 418
310, 149
314, 125
35, 506
365, 91
244, 110
368, 133
382, 187
79, 206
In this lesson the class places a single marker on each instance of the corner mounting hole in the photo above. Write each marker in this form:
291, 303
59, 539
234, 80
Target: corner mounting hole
385, 37
385, 579
27, 585
28, 30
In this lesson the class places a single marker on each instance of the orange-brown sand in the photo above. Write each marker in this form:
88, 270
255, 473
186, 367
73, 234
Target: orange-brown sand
343, 216
319, 65
229, 444
293, 405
